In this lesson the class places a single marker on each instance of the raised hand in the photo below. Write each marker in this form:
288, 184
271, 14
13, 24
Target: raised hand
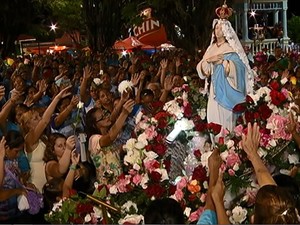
2, 148
250, 141
135, 79
164, 63
74, 101
2, 92
87, 72
291, 126
70, 143
75, 157
64, 92
128, 106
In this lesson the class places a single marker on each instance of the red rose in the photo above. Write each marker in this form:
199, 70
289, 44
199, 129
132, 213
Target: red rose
199, 174
249, 100
214, 128
155, 190
264, 111
155, 176
148, 148
160, 149
172, 189
159, 138
249, 117
274, 85
197, 154
187, 110
239, 108
277, 98
192, 197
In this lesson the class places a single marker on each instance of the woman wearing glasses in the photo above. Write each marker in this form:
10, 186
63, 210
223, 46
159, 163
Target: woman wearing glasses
102, 133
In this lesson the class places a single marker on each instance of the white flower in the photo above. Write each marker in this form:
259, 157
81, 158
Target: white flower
130, 144
187, 211
144, 181
205, 184
283, 81
133, 156
97, 81
163, 173
128, 205
224, 155
138, 117
143, 139
80, 104
124, 85
236, 167
185, 124
204, 159
238, 215
230, 144
202, 113
139, 145
293, 159
150, 155
87, 218
97, 212
57, 206
132, 219
113, 190
136, 167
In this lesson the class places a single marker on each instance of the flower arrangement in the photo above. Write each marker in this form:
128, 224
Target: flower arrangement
148, 160
75, 210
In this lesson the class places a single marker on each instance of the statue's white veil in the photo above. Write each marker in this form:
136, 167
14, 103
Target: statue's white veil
236, 45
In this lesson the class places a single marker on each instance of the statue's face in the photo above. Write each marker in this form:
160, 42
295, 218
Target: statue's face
218, 31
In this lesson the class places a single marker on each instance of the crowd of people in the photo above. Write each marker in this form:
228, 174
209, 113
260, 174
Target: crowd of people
53, 105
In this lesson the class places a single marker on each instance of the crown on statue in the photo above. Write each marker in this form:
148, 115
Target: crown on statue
224, 12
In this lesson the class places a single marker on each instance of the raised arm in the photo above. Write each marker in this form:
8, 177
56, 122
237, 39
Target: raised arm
2, 154
250, 143
64, 114
58, 169
33, 135
108, 139
84, 96
292, 128
68, 184
218, 198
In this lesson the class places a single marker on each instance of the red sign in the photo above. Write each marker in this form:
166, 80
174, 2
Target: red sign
151, 32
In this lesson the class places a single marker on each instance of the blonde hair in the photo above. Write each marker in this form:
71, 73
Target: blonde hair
24, 120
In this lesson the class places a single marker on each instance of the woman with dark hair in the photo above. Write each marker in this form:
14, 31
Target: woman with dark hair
101, 134
164, 211
11, 181
57, 155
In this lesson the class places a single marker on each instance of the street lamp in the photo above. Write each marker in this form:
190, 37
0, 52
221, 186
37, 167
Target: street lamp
53, 27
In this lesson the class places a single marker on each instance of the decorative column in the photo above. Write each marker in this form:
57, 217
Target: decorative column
284, 19
245, 22
275, 17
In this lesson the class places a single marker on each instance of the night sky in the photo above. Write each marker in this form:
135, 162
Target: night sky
292, 8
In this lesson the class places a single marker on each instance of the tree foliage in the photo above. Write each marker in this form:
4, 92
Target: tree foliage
294, 29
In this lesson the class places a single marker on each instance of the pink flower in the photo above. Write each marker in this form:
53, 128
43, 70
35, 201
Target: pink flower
150, 133
232, 159
239, 130
182, 183
151, 165
277, 125
194, 216
179, 194
231, 172
137, 179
